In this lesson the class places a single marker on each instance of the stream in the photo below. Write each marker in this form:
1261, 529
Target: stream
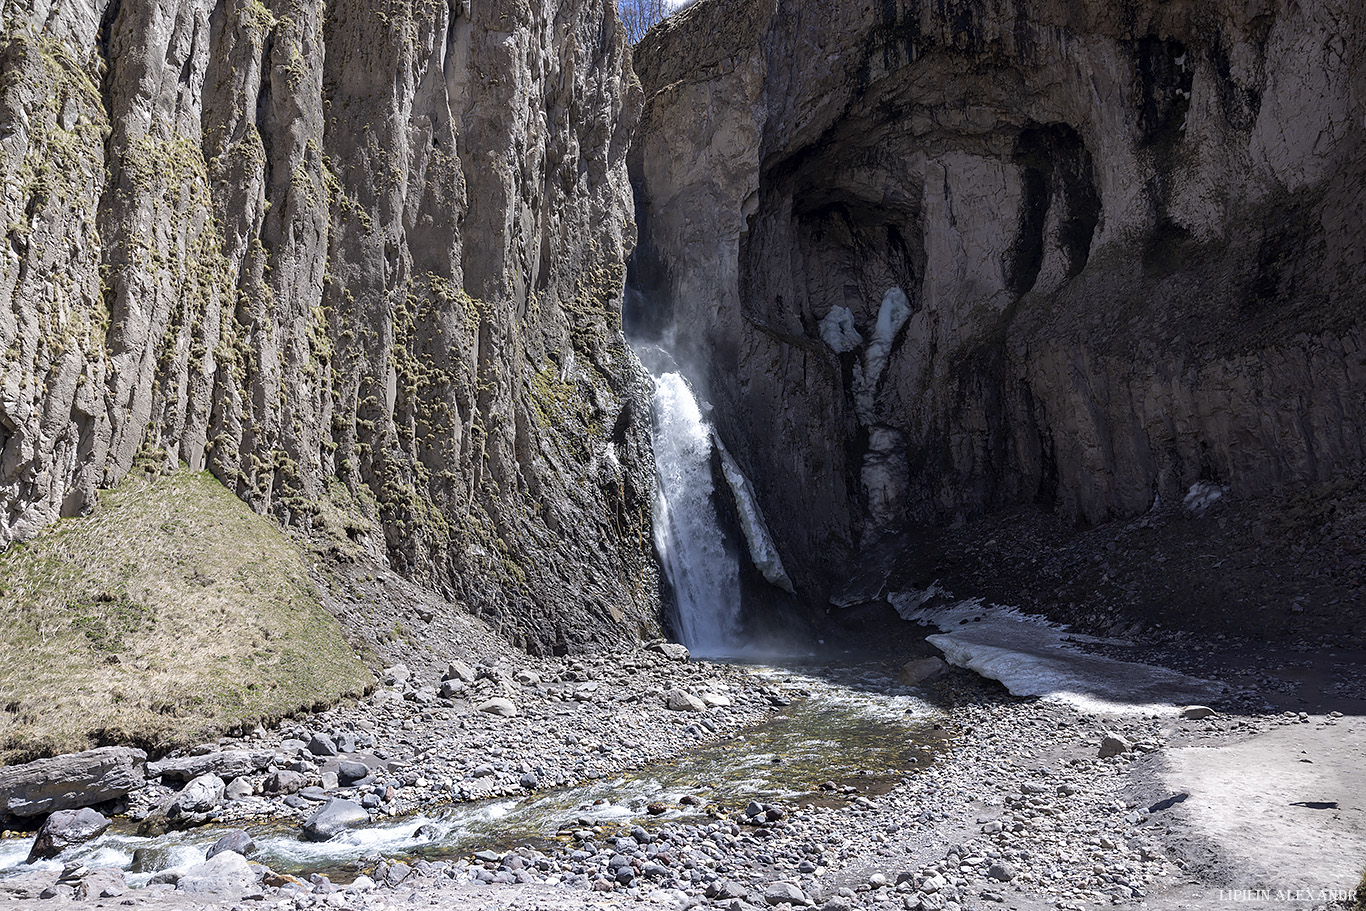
855, 729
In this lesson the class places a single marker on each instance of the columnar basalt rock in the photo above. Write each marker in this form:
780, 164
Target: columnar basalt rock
1124, 231
352, 255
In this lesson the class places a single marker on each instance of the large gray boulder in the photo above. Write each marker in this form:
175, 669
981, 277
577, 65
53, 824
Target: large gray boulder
237, 840
202, 795
70, 782
333, 818
226, 765
64, 829
226, 874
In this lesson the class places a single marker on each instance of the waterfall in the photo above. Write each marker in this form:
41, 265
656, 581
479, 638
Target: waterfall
704, 575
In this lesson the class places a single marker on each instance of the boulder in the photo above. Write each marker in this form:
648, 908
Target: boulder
679, 701
921, 670
237, 840
322, 745
499, 706
226, 874
350, 771
284, 782
238, 789
780, 892
66, 828
226, 764
70, 782
451, 688
1114, 745
333, 818
102, 882
202, 795
459, 670
1197, 712
671, 650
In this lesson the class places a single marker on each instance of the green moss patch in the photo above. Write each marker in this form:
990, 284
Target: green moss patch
170, 615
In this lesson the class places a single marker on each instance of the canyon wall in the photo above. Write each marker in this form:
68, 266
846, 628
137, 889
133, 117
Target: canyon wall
1126, 238
361, 260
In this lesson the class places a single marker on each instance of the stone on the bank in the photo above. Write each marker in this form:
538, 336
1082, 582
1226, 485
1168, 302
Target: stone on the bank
921, 670
780, 892
712, 700
284, 782
451, 688
102, 882
66, 828
238, 789
70, 782
333, 818
499, 706
395, 873
1114, 745
202, 795
397, 675
672, 650
679, 701
350, 771
226, 764
459, 670
725, 890
529, 781
322, 745
226, 874
1002, 872
1197, 712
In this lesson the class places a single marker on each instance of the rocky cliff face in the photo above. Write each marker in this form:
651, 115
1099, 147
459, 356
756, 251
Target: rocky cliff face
1124, 236
359, 259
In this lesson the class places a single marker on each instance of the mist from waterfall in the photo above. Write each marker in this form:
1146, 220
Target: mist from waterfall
702, 571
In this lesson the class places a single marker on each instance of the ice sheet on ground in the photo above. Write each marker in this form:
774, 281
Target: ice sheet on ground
1033, 657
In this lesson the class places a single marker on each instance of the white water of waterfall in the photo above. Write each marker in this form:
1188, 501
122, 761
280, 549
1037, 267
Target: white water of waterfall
704, 575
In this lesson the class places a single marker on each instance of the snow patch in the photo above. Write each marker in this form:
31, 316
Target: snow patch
762, 550
891, 318
1034, 657
1201, 496
839, 332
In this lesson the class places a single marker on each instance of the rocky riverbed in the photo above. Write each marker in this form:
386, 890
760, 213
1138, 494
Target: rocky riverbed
988, 800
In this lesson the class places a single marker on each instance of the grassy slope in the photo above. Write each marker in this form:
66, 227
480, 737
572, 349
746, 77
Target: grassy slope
172, 613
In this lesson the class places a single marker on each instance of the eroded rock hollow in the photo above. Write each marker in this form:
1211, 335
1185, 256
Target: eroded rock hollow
363, 261
937, 259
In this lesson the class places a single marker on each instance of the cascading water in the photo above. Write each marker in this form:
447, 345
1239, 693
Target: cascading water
704, 574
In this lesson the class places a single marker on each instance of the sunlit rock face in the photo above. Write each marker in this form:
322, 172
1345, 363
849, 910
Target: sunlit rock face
348, 254
1125, 234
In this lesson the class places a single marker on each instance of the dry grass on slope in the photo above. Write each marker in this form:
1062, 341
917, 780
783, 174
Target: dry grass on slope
171, 614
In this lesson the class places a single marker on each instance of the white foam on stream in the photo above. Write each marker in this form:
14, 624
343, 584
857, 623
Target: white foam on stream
1033, 657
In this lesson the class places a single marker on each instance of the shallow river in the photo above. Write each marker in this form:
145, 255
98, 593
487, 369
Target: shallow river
853, 729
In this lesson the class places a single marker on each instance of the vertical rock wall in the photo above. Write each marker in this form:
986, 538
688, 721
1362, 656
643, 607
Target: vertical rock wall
1125, 231
357, 258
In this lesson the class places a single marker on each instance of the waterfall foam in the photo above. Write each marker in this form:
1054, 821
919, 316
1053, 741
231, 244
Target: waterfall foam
704, 574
